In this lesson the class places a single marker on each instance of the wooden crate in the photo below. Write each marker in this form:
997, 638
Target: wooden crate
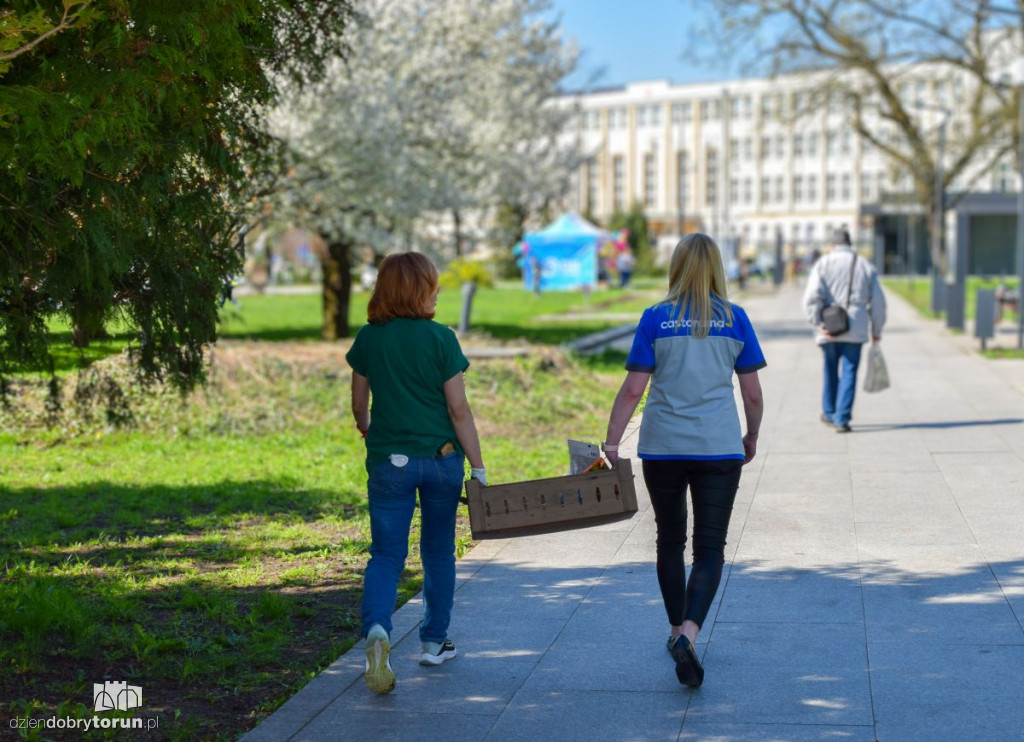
551, 504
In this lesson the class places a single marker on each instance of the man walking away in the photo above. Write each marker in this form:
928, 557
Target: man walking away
843, 278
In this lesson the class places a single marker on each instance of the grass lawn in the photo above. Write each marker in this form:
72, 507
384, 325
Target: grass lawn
508, 312
917, 291
212, 550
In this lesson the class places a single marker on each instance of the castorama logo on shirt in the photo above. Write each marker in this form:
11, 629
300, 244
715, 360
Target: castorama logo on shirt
672, 324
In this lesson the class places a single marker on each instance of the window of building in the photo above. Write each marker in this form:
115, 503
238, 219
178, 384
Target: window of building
831, 144
655, 115
641, 116
812, 145
767, 109
734, 191
780, 146
748, 148
830, 188
593, 181
650, 180
748, 190
734, 108
681, 167
618, 182
844, 188
766, 147
748, 107
846, 142
734, 148
865, 187
711, 183
766, 194
812, 187
798, 145
1004, 178
798, 188
780, 189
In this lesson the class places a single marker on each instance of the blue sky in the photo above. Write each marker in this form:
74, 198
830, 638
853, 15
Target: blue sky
635, 40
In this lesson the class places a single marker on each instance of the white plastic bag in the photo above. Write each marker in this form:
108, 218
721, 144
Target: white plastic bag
876, 377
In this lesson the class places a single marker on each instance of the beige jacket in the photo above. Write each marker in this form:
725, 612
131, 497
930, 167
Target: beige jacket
827, 284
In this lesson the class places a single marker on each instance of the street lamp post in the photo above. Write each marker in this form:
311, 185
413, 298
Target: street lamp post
1018, 75
942, 297
680, 172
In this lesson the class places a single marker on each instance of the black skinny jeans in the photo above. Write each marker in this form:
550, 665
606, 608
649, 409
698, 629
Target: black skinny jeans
713, 486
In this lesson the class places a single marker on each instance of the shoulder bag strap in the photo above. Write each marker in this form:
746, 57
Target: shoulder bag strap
849, 287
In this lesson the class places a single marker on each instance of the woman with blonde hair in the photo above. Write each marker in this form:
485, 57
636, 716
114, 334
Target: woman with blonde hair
689, 346
418, 434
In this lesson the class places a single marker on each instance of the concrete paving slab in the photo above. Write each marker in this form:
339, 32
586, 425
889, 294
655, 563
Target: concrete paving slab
969, 692
459, 686
395, 726
740, 694
584, 716
710, 732
818, 650
802, 601
961, 609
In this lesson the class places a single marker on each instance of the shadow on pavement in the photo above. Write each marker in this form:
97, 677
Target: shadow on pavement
874, 428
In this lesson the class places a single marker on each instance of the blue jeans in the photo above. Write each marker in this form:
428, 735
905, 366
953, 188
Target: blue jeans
841, 362
392, 495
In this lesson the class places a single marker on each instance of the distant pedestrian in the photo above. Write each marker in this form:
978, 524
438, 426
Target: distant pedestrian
842, 278
689, 346
625, 264
535, 274
418, 434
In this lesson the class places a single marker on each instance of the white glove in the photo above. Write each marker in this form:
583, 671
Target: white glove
479, 475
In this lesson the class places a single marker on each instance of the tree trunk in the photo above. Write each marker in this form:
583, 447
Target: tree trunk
87, 324
457, 218
468, 290
937, 253
337, 289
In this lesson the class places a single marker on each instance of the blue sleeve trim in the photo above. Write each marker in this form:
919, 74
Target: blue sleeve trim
642, 369
751, 369
668, 457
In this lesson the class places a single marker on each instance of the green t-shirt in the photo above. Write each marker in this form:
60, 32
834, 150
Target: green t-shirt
407, 362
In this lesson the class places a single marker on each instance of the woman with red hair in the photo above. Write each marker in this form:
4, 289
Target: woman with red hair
418, 436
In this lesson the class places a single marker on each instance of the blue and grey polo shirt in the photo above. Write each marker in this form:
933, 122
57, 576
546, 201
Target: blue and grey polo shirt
691, 409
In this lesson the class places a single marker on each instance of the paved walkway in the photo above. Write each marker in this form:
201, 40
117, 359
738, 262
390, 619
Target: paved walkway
874, 586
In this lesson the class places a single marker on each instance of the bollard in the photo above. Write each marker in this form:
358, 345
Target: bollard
985, 315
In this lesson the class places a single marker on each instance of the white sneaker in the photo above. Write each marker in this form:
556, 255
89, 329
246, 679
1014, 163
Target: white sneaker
435, 653
380, 678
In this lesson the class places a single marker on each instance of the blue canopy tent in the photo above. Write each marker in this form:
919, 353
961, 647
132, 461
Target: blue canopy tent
566, 253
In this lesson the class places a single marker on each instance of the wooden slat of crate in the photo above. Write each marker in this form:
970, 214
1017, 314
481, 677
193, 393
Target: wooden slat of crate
550, 504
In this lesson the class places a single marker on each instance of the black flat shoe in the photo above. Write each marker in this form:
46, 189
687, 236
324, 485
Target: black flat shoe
689, 671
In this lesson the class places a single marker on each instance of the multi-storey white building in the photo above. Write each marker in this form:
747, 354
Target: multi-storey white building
750, 161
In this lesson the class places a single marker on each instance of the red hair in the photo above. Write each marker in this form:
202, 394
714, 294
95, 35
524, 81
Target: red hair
406, 283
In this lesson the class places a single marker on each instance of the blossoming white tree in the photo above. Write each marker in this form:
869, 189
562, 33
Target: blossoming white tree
441, 108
